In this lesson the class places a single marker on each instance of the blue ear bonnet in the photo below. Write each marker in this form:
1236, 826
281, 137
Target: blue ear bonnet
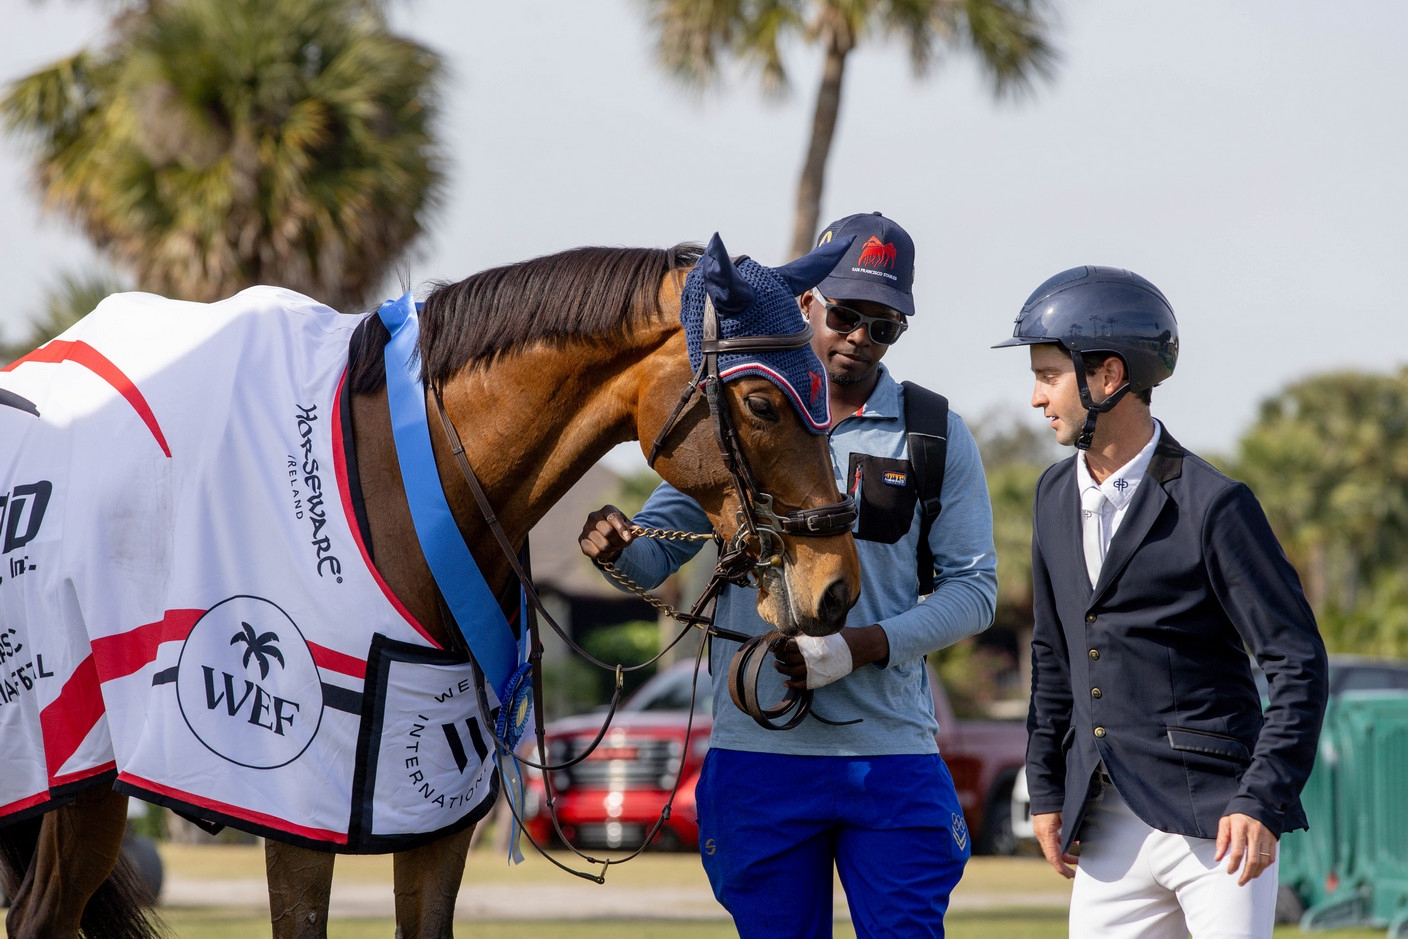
768, 297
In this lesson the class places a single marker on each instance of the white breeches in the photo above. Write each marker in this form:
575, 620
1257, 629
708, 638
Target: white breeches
1135, 882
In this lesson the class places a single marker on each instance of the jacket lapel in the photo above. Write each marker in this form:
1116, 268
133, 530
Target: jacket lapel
1165, 465
1064, 510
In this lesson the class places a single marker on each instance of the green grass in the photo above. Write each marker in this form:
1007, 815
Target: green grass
1018, 877
237, 862
1029, 924
201, 924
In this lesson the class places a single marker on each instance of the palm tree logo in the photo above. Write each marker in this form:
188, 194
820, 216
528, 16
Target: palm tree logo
261, 647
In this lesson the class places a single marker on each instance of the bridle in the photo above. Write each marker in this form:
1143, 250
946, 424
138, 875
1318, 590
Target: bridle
756, 519
758, 523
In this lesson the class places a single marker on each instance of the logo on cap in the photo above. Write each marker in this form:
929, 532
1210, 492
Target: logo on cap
877, 254
816, 385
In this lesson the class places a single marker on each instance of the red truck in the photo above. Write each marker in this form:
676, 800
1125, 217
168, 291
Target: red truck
613, 797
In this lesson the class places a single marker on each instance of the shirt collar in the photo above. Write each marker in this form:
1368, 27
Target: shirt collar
884, 401
1120, 486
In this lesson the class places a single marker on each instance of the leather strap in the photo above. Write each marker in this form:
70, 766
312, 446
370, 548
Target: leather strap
779, 343
743, 675
834, 519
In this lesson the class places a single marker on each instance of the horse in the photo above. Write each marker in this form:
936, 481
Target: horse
542, 366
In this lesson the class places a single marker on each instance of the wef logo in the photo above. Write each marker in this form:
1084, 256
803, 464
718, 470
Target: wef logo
247, 685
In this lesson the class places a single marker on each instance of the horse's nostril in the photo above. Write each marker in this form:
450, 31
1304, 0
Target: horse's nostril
835, 603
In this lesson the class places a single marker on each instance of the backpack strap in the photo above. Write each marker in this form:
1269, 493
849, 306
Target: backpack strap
926, 427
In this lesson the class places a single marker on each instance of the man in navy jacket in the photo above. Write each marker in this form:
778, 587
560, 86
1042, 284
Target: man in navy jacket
1153, 575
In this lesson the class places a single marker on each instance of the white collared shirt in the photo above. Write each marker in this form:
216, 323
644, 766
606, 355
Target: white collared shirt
1118, 488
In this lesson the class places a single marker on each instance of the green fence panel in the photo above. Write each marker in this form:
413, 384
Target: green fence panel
1308, 859
1373, 792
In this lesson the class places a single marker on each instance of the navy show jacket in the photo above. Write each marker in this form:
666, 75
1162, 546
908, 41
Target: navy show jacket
1148, 672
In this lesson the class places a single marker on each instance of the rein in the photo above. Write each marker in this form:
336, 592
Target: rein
757, 521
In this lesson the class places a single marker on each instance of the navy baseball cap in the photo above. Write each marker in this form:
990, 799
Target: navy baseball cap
879, 267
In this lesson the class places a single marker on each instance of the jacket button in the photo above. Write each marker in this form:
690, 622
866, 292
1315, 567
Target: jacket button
1099, 731
1095, 653
1090, 617
1095, 692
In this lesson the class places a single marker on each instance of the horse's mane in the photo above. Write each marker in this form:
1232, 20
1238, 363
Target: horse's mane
581, 293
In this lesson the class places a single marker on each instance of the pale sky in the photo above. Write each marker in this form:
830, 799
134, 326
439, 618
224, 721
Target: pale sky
1247, 156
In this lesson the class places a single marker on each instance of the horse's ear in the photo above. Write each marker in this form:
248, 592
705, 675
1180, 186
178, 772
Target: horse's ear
811, 269
727, 288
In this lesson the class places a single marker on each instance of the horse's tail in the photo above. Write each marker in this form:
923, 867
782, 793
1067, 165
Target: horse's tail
121, 907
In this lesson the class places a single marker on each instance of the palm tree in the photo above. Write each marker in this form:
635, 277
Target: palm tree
1009, 38
212, 145
65, 303
262, 647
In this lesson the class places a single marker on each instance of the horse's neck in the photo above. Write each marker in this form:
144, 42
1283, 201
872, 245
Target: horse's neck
532, 424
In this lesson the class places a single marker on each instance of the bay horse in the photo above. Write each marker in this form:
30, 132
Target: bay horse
543, 366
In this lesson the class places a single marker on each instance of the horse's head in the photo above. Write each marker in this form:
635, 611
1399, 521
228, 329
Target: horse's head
758, 461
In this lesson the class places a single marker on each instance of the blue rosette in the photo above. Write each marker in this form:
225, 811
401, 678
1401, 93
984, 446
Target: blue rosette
515, 711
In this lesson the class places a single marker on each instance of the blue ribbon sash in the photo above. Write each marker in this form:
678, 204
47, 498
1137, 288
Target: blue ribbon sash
476, 611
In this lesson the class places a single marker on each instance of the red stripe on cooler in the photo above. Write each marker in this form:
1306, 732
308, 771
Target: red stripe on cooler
70, 717
80, 353
234, 811
120, 655
333, 661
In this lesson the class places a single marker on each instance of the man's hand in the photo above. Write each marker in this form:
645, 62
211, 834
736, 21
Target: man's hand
606, 534
1243, 838
1047, 826
819, 661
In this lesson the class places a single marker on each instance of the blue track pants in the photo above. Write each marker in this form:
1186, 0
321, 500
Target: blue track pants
773, 828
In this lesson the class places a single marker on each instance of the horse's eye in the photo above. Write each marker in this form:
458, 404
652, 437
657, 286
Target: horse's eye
761, 406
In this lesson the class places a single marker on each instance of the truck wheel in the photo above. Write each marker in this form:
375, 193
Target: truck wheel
997, 837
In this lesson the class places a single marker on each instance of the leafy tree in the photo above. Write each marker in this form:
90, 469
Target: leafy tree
635, 489
1014, 457
1009, 37
625, 643
1328, 458
67, 302
212, 145
994, 665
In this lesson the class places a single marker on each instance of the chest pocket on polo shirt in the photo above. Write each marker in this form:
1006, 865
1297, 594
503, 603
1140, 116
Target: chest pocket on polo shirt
885, 494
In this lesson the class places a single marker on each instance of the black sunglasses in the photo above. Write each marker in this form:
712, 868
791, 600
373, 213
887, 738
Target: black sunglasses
844, 320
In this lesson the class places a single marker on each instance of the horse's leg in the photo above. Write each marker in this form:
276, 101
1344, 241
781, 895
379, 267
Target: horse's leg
78, 846
427, 884
300, 883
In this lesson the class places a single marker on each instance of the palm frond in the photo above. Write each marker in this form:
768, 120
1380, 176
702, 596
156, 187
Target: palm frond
692, 37
1011, 40
211, 145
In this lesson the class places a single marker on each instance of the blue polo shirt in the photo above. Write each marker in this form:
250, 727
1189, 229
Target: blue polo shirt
894, 702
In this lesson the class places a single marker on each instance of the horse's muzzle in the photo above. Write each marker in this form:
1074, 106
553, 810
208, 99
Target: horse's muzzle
836, 602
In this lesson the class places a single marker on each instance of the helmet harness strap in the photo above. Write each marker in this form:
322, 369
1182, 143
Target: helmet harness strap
1092, 410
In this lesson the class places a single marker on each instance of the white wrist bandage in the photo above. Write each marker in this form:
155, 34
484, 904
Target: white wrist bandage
828, 658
